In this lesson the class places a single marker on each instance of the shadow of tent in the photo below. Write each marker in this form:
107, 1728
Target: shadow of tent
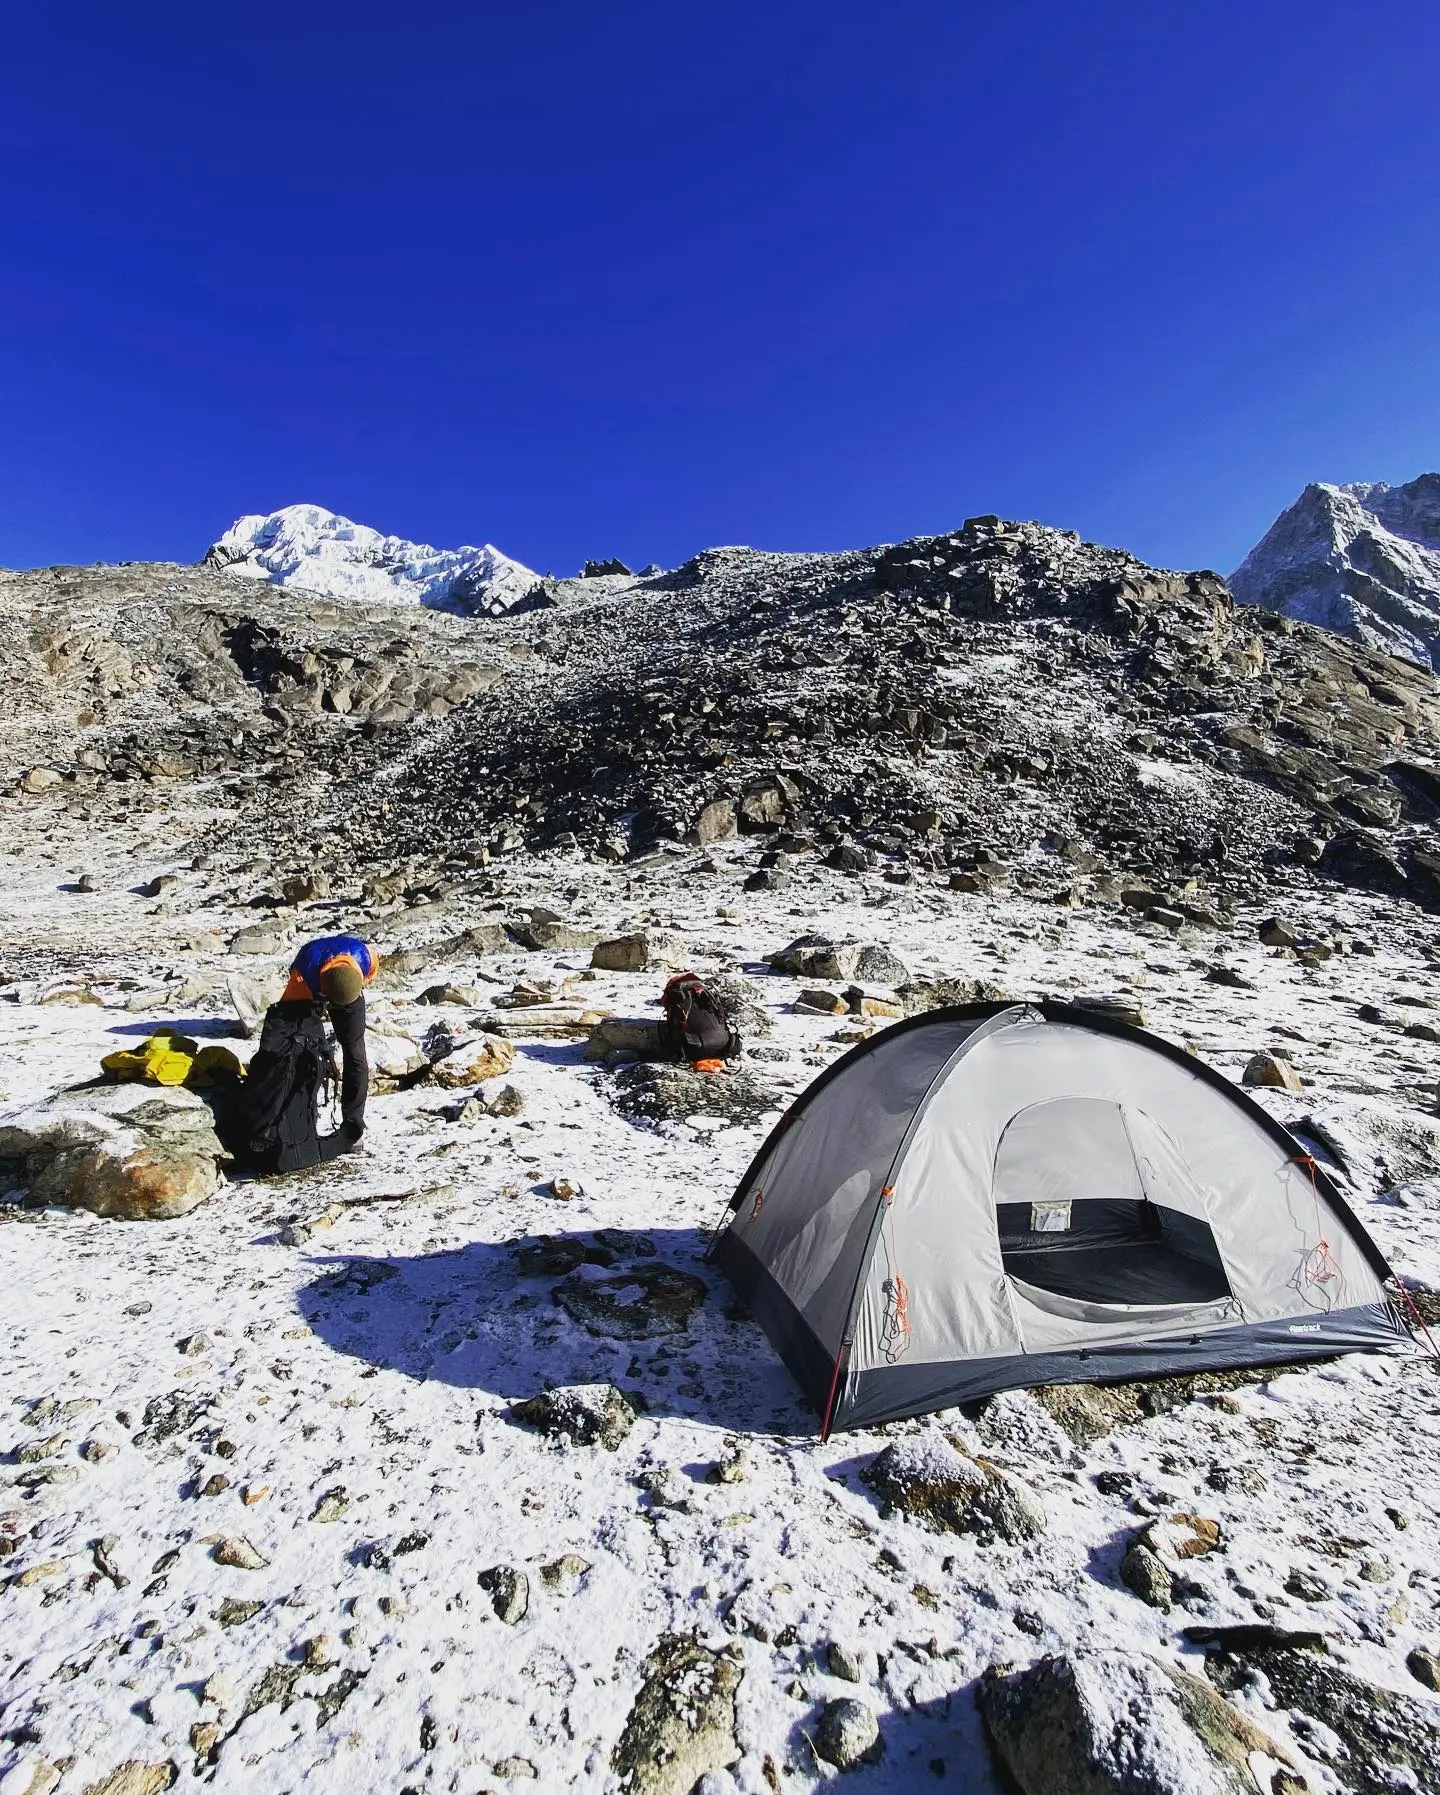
473, 1318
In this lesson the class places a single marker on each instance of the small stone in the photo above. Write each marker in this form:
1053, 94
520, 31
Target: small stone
566, 1189
235, 1613
1272, 1071
509, 1592
193, 1345
733, 1468
1145, 1575
214, 1485
322, 1652
1273, 933
474, 1063
1425, 1668
1306, 1587
218, 1690
331, 1504
515, 1769
135, 1778
584, 1414
237, 1552
847, 1733
843, 1663
506, 1102
564, 1572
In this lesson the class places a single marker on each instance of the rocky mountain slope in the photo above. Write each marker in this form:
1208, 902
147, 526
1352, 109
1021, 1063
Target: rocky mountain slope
1363, 560
1004, 702
314, 549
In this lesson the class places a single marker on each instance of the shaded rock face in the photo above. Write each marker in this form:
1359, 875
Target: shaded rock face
635, 1304
134, 1152
1362, 560
936, 705
1374, 1739
683, 1722
1118, 1723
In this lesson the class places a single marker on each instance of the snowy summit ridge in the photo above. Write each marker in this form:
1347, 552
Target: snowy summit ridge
308, 547
1363, 560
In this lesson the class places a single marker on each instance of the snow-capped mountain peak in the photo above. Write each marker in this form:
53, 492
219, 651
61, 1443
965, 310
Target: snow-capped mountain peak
309, 547
1363, 560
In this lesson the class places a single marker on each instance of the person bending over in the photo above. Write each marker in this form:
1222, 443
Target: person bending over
335, 969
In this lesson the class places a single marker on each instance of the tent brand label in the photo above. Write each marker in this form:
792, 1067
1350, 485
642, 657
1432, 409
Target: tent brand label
1049, 1218
1305, 1327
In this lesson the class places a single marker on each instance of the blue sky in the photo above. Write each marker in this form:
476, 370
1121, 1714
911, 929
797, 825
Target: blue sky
634, 280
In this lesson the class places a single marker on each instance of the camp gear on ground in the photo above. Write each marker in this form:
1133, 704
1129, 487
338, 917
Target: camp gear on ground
695, 1026
994, 1196
174, 1059
324, 952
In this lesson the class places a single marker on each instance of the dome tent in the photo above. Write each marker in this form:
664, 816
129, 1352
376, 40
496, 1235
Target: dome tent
993, 1196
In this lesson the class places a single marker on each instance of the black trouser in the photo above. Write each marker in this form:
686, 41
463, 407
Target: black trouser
348, 1021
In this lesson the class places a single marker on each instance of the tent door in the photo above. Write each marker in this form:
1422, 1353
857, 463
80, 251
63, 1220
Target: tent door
1096, 1211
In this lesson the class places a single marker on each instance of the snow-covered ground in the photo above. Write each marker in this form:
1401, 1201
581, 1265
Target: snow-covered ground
318, 551
367, 1372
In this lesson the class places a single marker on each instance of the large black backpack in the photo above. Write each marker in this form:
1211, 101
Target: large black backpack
696, 1026
275, 1124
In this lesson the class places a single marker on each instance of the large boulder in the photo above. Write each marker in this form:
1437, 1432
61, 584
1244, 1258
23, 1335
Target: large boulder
1377, 1740
683, 1722
136, 1152
1120, 1723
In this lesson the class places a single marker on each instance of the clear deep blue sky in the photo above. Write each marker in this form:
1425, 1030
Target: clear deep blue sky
591, 280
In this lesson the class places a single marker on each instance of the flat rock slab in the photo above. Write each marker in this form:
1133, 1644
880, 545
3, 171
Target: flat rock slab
133, 1151
652, 1094
634, 1304
683, 1722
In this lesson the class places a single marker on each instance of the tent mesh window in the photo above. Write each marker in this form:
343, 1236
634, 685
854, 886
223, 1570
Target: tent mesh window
1082, 1216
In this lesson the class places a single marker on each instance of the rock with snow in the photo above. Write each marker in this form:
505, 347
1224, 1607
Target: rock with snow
132, 1151
584, 1414
682, 1724
1119, 1723
1377, 1739
847, 1734
316, 550
925, 1477
1363, 560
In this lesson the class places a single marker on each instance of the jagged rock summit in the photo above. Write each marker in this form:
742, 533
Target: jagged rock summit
1363, 560
316, 550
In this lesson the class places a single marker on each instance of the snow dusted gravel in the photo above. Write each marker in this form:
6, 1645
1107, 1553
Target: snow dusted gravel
251, 1488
